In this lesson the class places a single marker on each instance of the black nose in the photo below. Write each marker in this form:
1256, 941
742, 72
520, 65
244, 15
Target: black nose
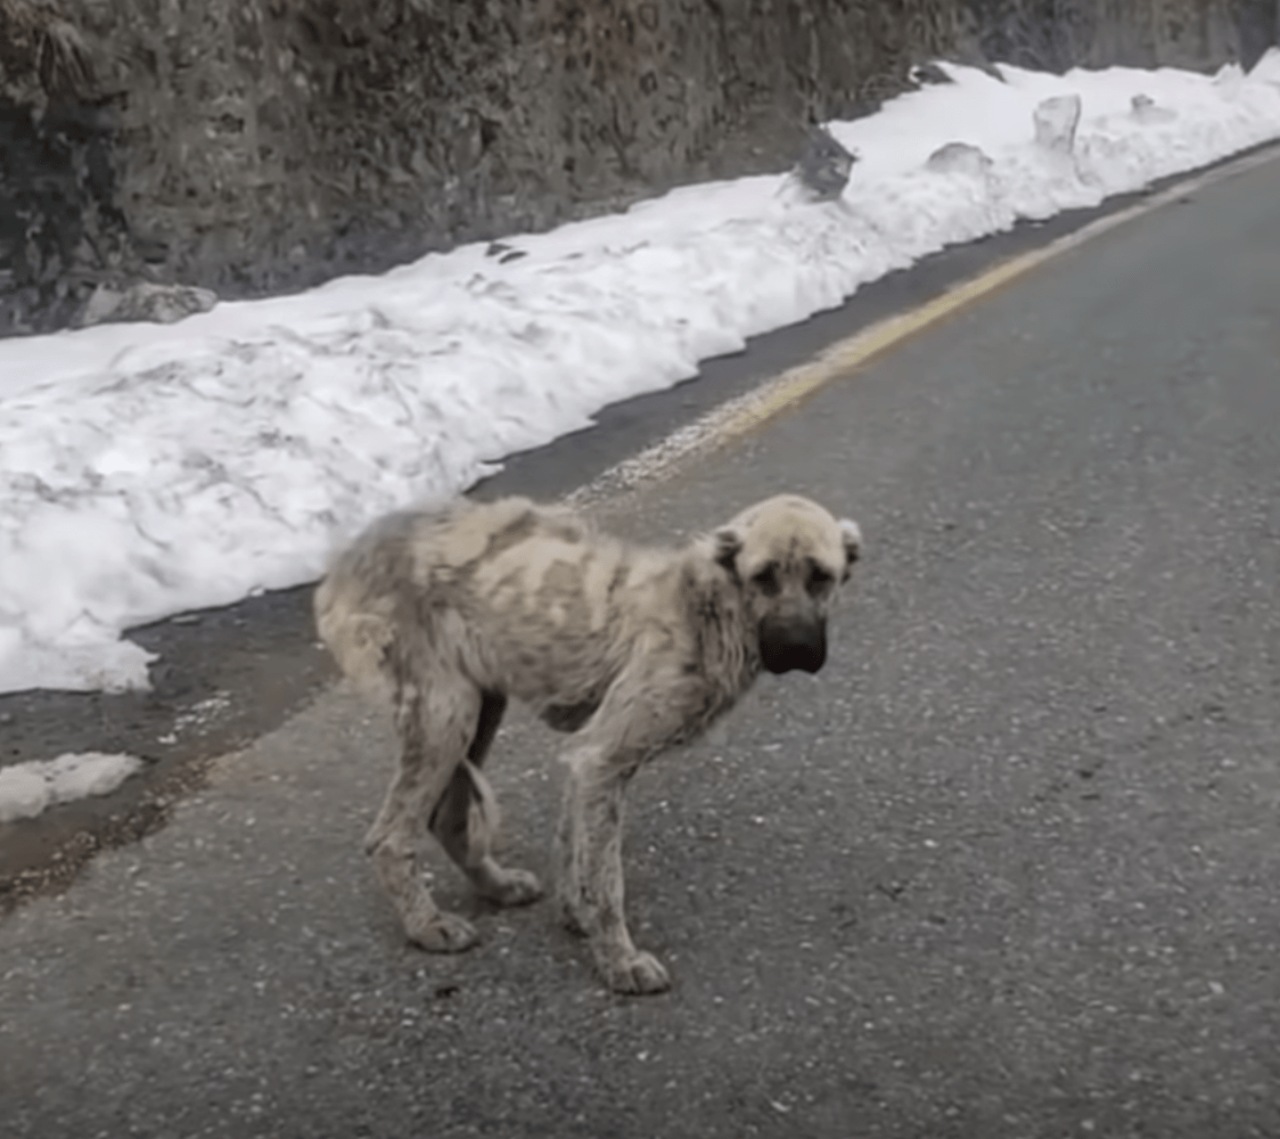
785, 646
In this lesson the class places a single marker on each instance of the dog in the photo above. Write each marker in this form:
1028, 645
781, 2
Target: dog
447, 614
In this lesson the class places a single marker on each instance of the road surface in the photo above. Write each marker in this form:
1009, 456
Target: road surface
1006, 868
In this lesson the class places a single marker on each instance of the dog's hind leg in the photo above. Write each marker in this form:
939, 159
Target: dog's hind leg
465, 819
435, 716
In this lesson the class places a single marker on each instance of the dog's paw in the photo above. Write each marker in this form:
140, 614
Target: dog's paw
639, 974
513, 888
442, 933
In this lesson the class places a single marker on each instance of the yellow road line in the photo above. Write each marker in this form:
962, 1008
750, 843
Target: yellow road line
784, 392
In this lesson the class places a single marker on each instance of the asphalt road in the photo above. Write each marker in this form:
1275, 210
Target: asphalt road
1006, 868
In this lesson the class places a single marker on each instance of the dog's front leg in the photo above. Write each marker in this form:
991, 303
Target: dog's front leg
591, 877
655, 702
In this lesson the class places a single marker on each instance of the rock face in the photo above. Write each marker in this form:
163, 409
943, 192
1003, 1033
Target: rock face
247, 146
822, 172
160, 304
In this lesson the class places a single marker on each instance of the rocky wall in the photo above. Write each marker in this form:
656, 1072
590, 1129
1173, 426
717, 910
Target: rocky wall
260, 145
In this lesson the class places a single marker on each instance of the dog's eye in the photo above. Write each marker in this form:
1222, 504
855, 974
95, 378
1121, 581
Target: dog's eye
818, 579
766, 580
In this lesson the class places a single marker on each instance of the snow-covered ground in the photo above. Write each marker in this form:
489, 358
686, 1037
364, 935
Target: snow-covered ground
146, 470
29, 789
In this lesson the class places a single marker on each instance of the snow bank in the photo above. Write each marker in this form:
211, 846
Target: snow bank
28, 789
146, 470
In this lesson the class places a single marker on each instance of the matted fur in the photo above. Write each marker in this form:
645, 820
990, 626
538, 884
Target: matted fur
447, 614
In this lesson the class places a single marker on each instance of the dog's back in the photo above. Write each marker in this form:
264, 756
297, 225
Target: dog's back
529, 599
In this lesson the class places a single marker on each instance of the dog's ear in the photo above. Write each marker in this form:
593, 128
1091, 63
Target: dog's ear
727, 544
851, 535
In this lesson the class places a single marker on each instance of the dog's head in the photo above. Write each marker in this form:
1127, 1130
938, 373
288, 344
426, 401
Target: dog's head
788, 556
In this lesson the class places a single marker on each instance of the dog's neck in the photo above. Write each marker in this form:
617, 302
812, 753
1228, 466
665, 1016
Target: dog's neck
727, 643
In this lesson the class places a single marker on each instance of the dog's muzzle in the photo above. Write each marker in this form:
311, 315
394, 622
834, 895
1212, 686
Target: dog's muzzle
792, 644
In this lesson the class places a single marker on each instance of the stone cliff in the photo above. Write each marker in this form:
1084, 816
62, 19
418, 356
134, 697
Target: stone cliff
261, 145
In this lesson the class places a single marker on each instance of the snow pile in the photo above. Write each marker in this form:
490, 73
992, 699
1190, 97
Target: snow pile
145, 470
28, 789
